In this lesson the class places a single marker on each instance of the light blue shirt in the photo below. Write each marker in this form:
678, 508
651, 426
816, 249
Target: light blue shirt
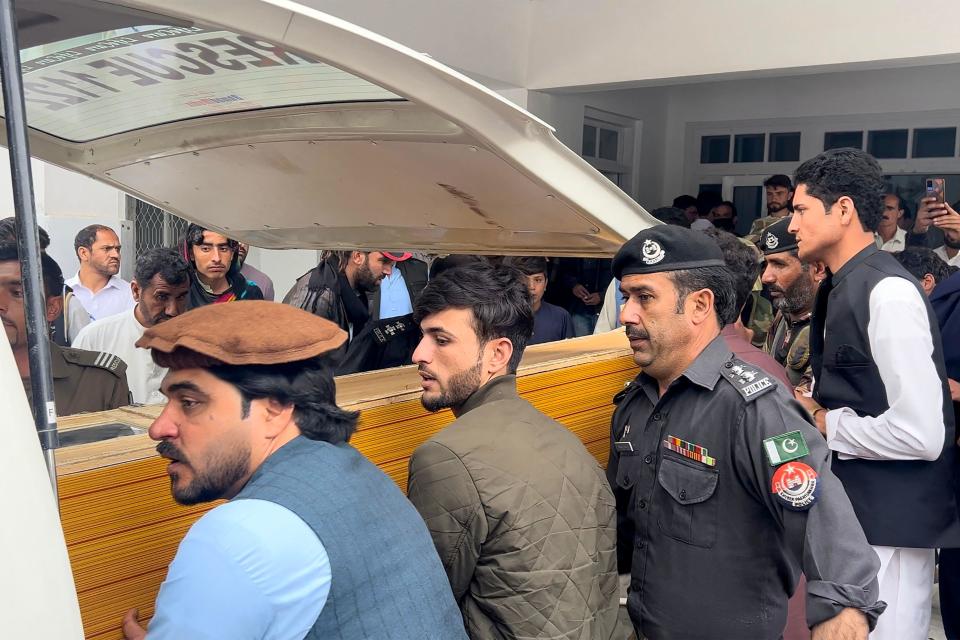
248, 569
394, 297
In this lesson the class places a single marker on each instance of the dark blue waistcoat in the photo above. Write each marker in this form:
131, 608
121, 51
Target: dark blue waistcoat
900, 503
387, 581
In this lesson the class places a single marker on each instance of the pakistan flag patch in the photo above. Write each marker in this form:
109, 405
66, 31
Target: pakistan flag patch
785, 447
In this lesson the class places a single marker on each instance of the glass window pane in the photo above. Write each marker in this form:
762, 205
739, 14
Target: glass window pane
589, 141
841, 139
714, 149
934, 143
608, 144
888, 143
784, 147
716, 187
748, 148
748, 201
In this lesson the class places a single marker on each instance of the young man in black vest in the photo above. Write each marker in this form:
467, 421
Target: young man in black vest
880, 394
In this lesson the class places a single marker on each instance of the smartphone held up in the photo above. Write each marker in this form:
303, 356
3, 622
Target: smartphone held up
935, 189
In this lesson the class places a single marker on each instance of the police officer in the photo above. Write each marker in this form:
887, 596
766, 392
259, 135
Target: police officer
86, 381
724, 489
793, 286
82, 380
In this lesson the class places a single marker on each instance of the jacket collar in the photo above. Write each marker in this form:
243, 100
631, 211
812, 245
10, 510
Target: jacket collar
500, 388
854, 262
58, 364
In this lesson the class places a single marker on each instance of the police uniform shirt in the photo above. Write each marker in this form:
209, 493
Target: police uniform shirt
85, 381
712, 550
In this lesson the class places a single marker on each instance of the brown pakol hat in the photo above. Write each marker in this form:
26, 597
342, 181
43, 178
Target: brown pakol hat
246, 332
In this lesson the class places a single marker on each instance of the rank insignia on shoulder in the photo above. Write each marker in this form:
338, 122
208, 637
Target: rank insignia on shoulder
795, 486
785, 447
748, 380
689, 450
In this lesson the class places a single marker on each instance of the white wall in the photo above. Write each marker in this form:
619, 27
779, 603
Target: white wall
65, 202
487, 37
576, 43
565, 111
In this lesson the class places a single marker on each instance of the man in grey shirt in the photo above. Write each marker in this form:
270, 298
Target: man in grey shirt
724, 490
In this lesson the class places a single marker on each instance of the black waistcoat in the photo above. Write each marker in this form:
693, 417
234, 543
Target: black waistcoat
900, 503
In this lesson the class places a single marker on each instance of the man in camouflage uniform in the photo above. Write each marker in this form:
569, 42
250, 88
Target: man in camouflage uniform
779, 192
793, 287
82, 380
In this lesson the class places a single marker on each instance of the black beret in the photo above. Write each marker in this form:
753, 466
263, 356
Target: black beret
666, 247
777, 239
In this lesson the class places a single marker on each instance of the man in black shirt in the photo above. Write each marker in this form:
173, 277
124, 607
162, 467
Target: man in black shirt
724, 490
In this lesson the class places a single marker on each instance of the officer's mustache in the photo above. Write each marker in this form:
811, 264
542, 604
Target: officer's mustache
636, 333
170, 452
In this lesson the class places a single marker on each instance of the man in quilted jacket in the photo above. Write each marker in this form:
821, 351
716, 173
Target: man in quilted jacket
519, 511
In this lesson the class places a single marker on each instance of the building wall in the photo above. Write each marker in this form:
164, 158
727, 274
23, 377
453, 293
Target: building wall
605, 42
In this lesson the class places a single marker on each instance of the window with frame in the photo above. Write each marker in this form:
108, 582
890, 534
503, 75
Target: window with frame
607, 145
714, 149
934, 142
842, 139
748, 147
153, 227
887, 143
784, 147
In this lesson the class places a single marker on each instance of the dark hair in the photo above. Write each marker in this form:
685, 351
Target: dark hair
87, 236
900, 202
306, 384
684, 202
453, 261
706, 201
920, 261
8, 233
166, 262
846, 172
528, 265
743, 262
194, 236
50, 271
497, 296
671, 215
718, 279
778, 180
733, 207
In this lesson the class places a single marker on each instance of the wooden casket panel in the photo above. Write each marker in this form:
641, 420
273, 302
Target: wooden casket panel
122, 527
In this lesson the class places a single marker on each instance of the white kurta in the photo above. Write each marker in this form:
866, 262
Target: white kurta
118, 334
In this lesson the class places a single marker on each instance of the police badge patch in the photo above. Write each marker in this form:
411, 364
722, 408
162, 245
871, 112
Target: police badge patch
652, 252
795, 485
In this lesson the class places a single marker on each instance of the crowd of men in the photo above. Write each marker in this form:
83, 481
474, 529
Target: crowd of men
785, 463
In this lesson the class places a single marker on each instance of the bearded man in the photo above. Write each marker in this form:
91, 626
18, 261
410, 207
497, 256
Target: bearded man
337, 288
519, 510
793, 286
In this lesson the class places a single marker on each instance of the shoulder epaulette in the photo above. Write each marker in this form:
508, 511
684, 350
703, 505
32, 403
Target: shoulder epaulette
752, 382
99, 359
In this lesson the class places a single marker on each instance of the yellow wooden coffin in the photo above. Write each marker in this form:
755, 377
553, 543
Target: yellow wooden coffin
122, 527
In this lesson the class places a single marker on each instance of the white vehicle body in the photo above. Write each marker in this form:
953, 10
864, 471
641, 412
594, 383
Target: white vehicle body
373, 146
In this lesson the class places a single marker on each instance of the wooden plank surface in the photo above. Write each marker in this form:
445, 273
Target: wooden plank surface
122, 527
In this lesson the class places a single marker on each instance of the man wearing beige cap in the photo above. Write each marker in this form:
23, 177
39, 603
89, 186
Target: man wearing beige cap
315, 541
